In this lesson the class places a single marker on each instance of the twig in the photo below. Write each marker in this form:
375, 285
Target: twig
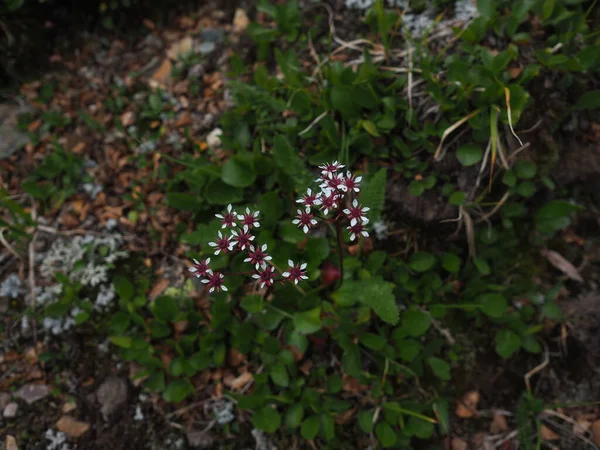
445, 332
517, 151
410, 85
32, 269
8, 247
495, 208
313, 123
537, 368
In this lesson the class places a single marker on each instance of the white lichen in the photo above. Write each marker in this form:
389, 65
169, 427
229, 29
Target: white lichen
11, 286
138, 416
58, 440
105, 297
380, 229
262, 440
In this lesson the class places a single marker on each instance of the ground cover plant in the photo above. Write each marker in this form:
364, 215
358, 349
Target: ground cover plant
372, 223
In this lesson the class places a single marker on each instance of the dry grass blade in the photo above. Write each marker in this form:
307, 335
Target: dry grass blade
509, 114
313, 123
448, 131
8, 247
561, 263
470, 229
536, 369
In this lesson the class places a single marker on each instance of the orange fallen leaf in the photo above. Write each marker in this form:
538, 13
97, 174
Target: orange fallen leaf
149, 24
595, 429
467, 406
498, 423
127, 118
163, 73
72, 427
235, 358
342, 418
239, 382
79, 148
158, 288
458, 444
548, 434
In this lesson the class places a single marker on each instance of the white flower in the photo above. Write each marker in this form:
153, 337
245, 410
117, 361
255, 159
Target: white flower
223, 244
295, 272
228, 218
11, 286
249, 219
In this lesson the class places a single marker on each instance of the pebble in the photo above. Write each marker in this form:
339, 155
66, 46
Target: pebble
211, 35
10, 411
206, 48
111, 394
31, 393
214, 138
4, 399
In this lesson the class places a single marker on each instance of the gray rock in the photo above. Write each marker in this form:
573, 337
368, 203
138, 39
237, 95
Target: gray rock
4, 399
11, 138
206, 48
212, 35
31, 393
10, 411
196, 71
111, 394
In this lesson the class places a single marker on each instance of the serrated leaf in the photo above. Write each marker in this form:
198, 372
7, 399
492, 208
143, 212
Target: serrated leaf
287, 159
440, 368
373, 194
589, 100
310, 427
235, 172
374, 293
415, 322
266, 419
308, 322
493, 304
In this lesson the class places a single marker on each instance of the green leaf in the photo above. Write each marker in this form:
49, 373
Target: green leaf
415, 322
482, 265
507, 343
308, 322
589, 100
408, 349
178, 390
310, 428
370, 128
219, 193
235, 172
271, 208
440, 368
327, 426
486, 8
372, 341
525, 170
294, 416
416, 188
373, 194
421, 428
493, 304
375, 293
165, 308
342, 100
156, 382
288, 160
441, 407
121, 341
253, 303
421, 261
469, 154
457, 198
554, 215
279, 375
13, 5
451, 262
365, 421
123, 288
183, 201
552, 311
266, 419
386, 435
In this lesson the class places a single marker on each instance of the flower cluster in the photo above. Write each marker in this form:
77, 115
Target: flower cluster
336, 190
240, 238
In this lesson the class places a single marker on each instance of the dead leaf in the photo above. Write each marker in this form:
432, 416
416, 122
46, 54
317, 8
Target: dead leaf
581, 426
72, 427
240, 21
595, 429
10, 443
158, 288
239, 382
366, 244
342, 418
499, 424
79, 148
235, 358
68, 407
183, 120
149, 24
467, 406
306, 367
69, 220
515, 71
180, 326
559, 261
162, 75
127, 118
548, 434
181, 48
458, 444
33, 126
